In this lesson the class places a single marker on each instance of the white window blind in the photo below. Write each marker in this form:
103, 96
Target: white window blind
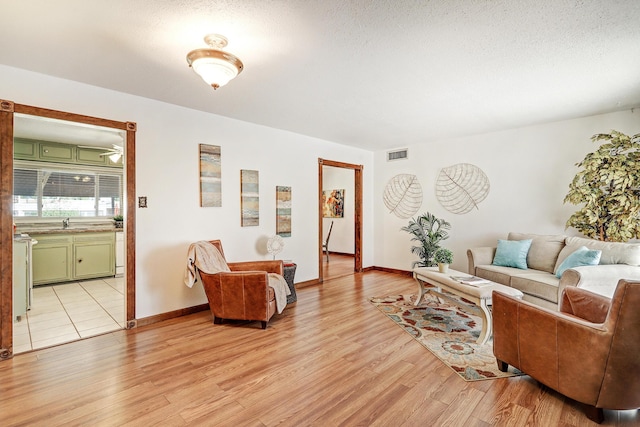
45, 192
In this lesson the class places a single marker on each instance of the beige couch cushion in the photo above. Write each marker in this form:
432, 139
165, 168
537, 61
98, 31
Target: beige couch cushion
544, 250
612, 252
540, 284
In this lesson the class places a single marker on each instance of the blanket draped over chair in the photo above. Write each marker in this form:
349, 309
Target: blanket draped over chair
204, 256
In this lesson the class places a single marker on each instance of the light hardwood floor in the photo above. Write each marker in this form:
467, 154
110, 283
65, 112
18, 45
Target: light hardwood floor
330, 359
338, 266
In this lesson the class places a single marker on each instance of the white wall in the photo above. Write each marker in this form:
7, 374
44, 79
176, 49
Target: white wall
167, 173
343, 233
529, 169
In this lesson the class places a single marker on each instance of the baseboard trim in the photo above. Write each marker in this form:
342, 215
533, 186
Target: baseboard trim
171, 315
394, 271
307, 283
339, 253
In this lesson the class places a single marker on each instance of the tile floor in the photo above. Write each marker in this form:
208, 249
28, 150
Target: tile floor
70, 311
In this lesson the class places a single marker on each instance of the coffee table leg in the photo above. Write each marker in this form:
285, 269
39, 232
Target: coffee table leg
420, 290
487, 321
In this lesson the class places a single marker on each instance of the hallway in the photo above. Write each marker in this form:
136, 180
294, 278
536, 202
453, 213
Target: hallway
338, 266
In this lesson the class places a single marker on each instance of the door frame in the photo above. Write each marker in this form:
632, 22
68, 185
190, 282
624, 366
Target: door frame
357, 265
7, 111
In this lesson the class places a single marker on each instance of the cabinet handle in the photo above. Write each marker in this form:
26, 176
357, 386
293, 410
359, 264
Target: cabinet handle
79, 259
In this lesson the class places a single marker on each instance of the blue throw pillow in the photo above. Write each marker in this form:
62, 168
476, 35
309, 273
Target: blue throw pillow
512, 253
582, 256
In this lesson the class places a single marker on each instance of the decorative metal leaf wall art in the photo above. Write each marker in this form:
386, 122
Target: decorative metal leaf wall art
461, 187
403, 195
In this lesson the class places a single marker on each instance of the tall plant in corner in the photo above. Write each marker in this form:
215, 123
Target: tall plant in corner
429, 231
608, 187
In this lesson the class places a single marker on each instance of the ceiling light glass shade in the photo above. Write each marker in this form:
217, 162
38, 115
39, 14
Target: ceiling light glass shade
215, 66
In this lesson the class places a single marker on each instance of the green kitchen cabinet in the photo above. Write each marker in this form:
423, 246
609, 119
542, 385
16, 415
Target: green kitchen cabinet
52, 258
73, 256
94, 255
51, 151
91, 156
57, 152
21, 275
25, 149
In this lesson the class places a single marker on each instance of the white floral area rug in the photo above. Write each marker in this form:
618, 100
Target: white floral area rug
446, 330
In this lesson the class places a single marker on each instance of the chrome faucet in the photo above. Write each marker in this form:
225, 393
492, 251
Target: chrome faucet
65, 223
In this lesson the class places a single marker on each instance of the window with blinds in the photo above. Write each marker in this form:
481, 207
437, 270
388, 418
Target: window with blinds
44, 192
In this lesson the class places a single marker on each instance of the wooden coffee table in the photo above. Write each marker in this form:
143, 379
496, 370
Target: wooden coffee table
430, 279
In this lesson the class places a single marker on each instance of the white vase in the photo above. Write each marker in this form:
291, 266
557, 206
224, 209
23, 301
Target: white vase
443, 267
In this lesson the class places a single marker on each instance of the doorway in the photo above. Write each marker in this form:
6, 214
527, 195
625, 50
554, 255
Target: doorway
357, 214
8, 110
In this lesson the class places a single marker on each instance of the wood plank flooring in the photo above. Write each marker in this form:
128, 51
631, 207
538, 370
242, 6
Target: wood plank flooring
338, 266
331, 359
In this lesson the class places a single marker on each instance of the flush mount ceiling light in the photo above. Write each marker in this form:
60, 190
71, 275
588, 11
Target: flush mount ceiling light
215, 66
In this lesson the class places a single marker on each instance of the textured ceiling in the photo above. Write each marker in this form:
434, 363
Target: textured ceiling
373, 74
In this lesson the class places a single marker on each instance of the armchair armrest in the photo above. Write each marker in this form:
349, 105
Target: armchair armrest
480, 256
585, 304
268, 266
600, 279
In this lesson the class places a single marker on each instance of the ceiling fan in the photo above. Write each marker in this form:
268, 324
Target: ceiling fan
114, 153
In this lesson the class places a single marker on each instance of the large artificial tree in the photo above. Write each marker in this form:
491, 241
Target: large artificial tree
608, 188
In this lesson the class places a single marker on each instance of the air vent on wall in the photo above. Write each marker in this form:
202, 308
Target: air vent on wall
398, 154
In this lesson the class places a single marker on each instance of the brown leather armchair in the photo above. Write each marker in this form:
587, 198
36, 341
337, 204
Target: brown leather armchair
244, 292
589, 351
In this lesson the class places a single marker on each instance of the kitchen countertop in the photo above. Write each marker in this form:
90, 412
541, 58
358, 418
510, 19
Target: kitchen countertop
71, 229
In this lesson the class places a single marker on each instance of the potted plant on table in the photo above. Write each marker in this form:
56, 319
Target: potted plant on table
429, 231
118, 221
444, 257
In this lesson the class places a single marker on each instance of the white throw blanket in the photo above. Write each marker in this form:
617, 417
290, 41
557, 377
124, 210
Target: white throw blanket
280, 289
204, 256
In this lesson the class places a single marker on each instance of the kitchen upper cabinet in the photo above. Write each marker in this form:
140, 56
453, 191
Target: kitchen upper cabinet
26, 149
62, 153
73, 256
90, 156
45, 151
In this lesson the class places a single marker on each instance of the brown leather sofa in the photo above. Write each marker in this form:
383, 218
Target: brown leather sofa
244, 292
588, 351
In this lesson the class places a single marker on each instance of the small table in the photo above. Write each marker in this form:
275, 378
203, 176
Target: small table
289, 272
479, 295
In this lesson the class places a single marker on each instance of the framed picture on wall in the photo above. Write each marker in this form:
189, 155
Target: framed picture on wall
210, 176
249, 198
283, 211
333, 203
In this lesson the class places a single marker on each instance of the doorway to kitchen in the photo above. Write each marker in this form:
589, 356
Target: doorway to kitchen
87, 292
354, 227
